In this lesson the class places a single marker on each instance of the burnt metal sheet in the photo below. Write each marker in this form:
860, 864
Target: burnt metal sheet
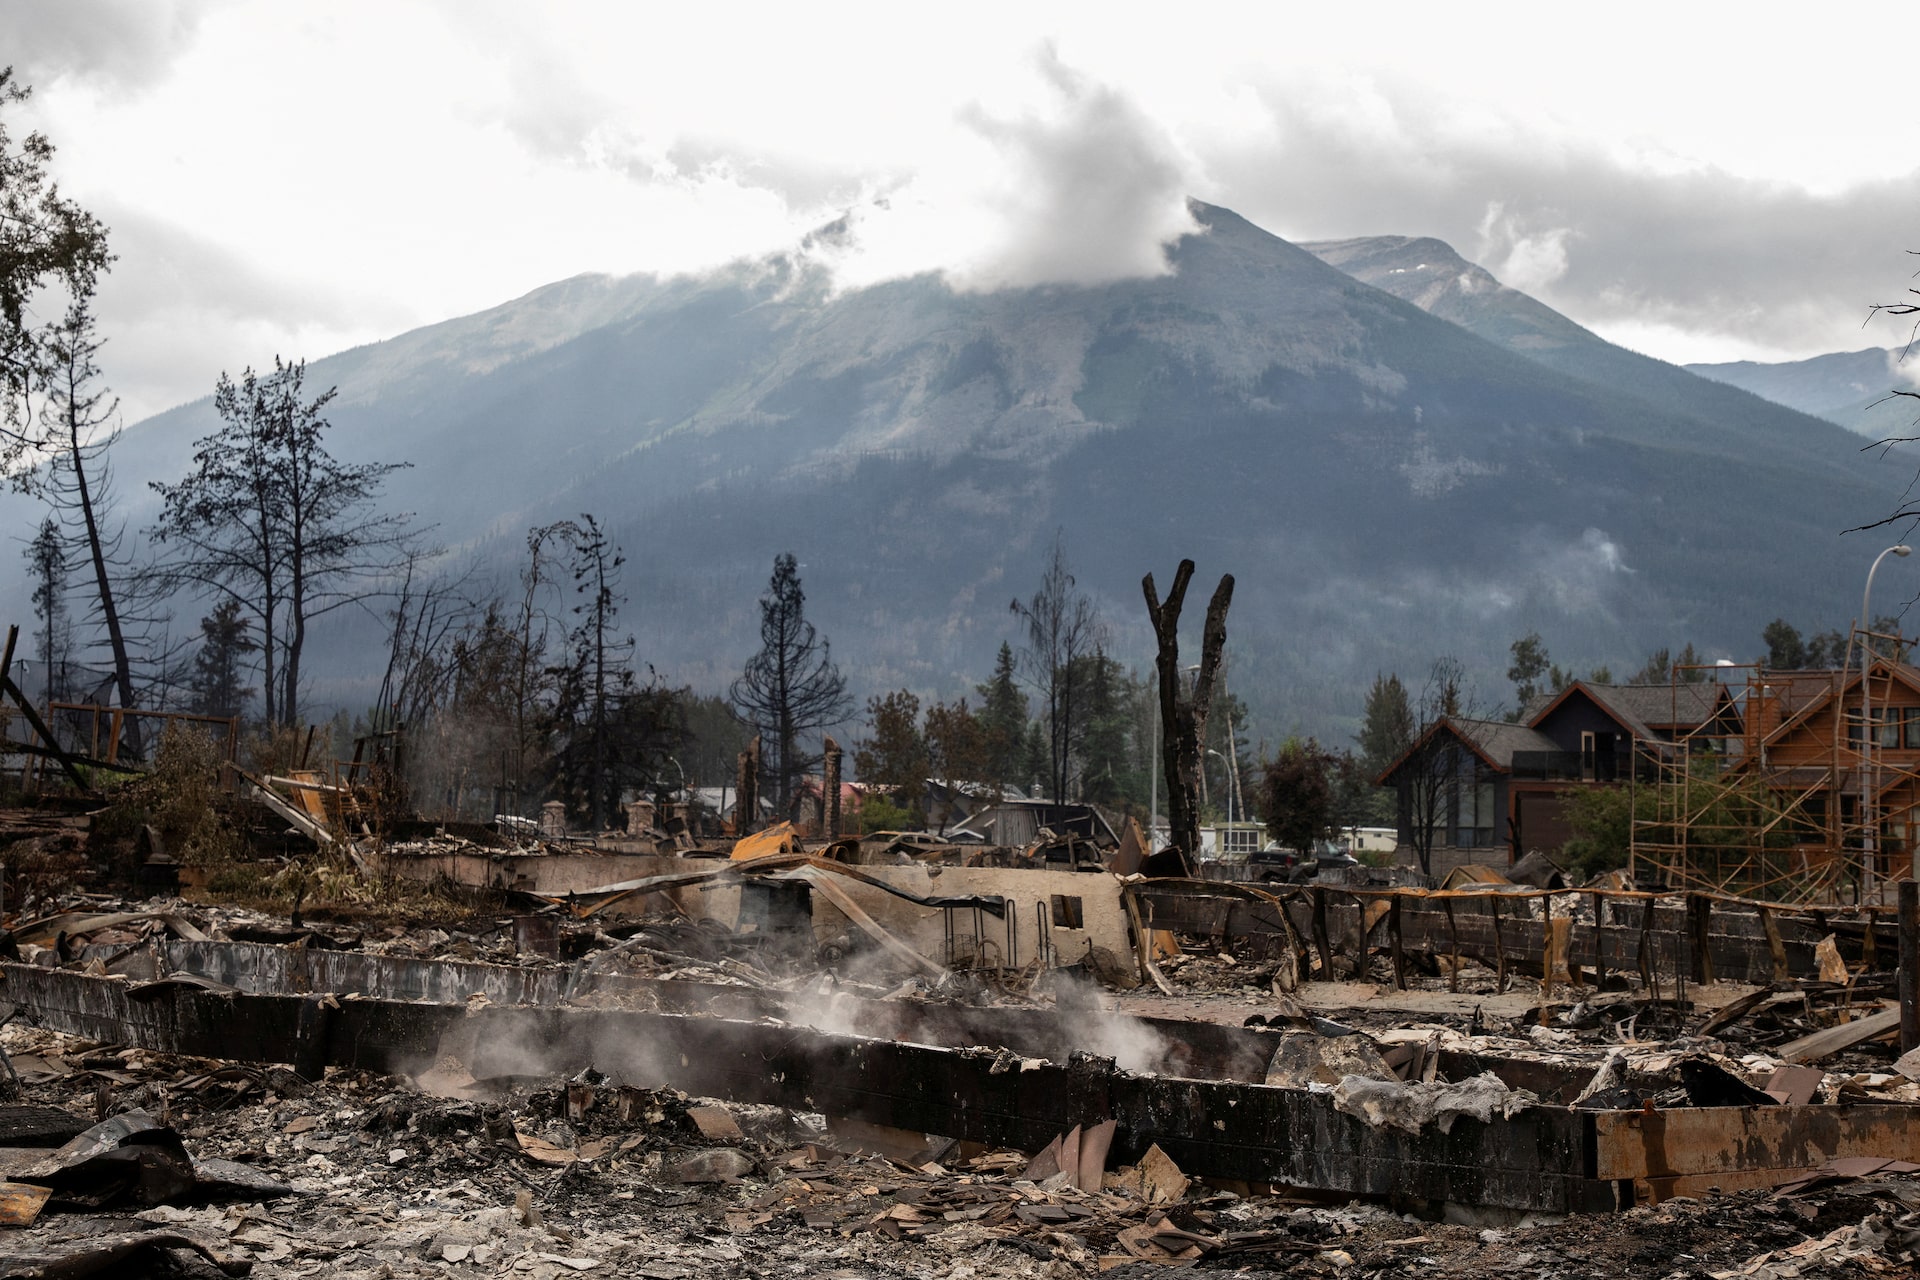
1654, 1145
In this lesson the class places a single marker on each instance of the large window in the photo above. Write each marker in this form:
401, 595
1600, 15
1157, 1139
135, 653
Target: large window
1474, 818
1894, 728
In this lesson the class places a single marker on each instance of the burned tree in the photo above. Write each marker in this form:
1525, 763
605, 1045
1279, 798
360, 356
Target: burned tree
270, 519
73, 433
610, 732
791, 687
1063, 630
1183, 718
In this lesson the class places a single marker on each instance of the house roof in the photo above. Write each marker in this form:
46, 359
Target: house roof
1811, 690
1642, 708
1494, 741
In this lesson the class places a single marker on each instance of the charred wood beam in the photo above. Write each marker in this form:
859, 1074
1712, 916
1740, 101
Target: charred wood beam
1475, 928
1535, 1160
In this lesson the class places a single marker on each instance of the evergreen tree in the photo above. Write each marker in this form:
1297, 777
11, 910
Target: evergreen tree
47, 569
1387, 727
790, 688
1105, 754
1035, 763
895, 753
1528, 666
1003, 720
220, 666
1786, 651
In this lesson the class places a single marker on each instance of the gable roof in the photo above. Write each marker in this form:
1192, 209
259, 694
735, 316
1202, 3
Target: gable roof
1680, 707
1493, 741
1642, 708
1812, 690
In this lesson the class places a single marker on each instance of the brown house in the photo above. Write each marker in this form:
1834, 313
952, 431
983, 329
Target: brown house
1850, 810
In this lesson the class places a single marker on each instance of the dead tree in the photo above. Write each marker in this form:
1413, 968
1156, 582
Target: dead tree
1183, 719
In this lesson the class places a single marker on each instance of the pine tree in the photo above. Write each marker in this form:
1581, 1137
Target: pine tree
1003, 720
46, 559
219, 667
1387, 729
790, 688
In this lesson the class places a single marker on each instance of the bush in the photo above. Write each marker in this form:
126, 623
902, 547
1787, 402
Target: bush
179, 800
879, 813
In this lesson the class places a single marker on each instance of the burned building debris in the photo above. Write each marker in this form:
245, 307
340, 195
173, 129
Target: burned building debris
673, 1050
808, 1057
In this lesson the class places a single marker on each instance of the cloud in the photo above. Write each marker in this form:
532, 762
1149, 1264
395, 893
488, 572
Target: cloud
179, 308
1078, 187
1530, 261
119, 45
1620, 241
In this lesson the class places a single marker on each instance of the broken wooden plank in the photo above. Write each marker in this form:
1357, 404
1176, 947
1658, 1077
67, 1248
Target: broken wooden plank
1831, 1040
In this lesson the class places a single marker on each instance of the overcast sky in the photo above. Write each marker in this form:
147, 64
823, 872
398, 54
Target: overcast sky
295, 178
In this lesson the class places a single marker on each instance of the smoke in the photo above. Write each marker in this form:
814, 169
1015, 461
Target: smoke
1080, 187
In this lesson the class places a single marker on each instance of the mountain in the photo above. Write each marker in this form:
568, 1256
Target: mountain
1429, 274
1847, 387
1389, 482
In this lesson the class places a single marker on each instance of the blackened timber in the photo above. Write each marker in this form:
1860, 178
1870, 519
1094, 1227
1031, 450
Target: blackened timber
1744, 947
1173, 1046
1258, 1133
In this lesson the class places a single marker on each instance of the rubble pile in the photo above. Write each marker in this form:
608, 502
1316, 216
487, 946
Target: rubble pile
361, 1176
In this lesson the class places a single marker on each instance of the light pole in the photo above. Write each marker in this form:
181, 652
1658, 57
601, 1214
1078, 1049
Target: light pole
1869, 780
1223, 760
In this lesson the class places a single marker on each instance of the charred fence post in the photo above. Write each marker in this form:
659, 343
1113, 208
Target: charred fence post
1699, 919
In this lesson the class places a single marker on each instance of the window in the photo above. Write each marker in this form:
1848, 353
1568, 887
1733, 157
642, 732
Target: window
1887, 724
1067, 912
1238, 842
1474, 815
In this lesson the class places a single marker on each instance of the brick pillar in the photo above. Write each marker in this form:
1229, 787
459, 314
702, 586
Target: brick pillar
746, 806
830, 790
639, 817
553, 819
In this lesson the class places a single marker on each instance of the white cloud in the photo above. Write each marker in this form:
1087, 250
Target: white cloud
369, 166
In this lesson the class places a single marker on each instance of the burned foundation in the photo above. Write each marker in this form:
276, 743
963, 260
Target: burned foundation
1004, 1076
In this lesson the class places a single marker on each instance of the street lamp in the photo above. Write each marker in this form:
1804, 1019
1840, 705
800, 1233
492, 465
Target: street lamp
1223, 760
1869, 780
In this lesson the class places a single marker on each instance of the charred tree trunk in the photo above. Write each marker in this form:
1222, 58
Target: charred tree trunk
1183, 719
